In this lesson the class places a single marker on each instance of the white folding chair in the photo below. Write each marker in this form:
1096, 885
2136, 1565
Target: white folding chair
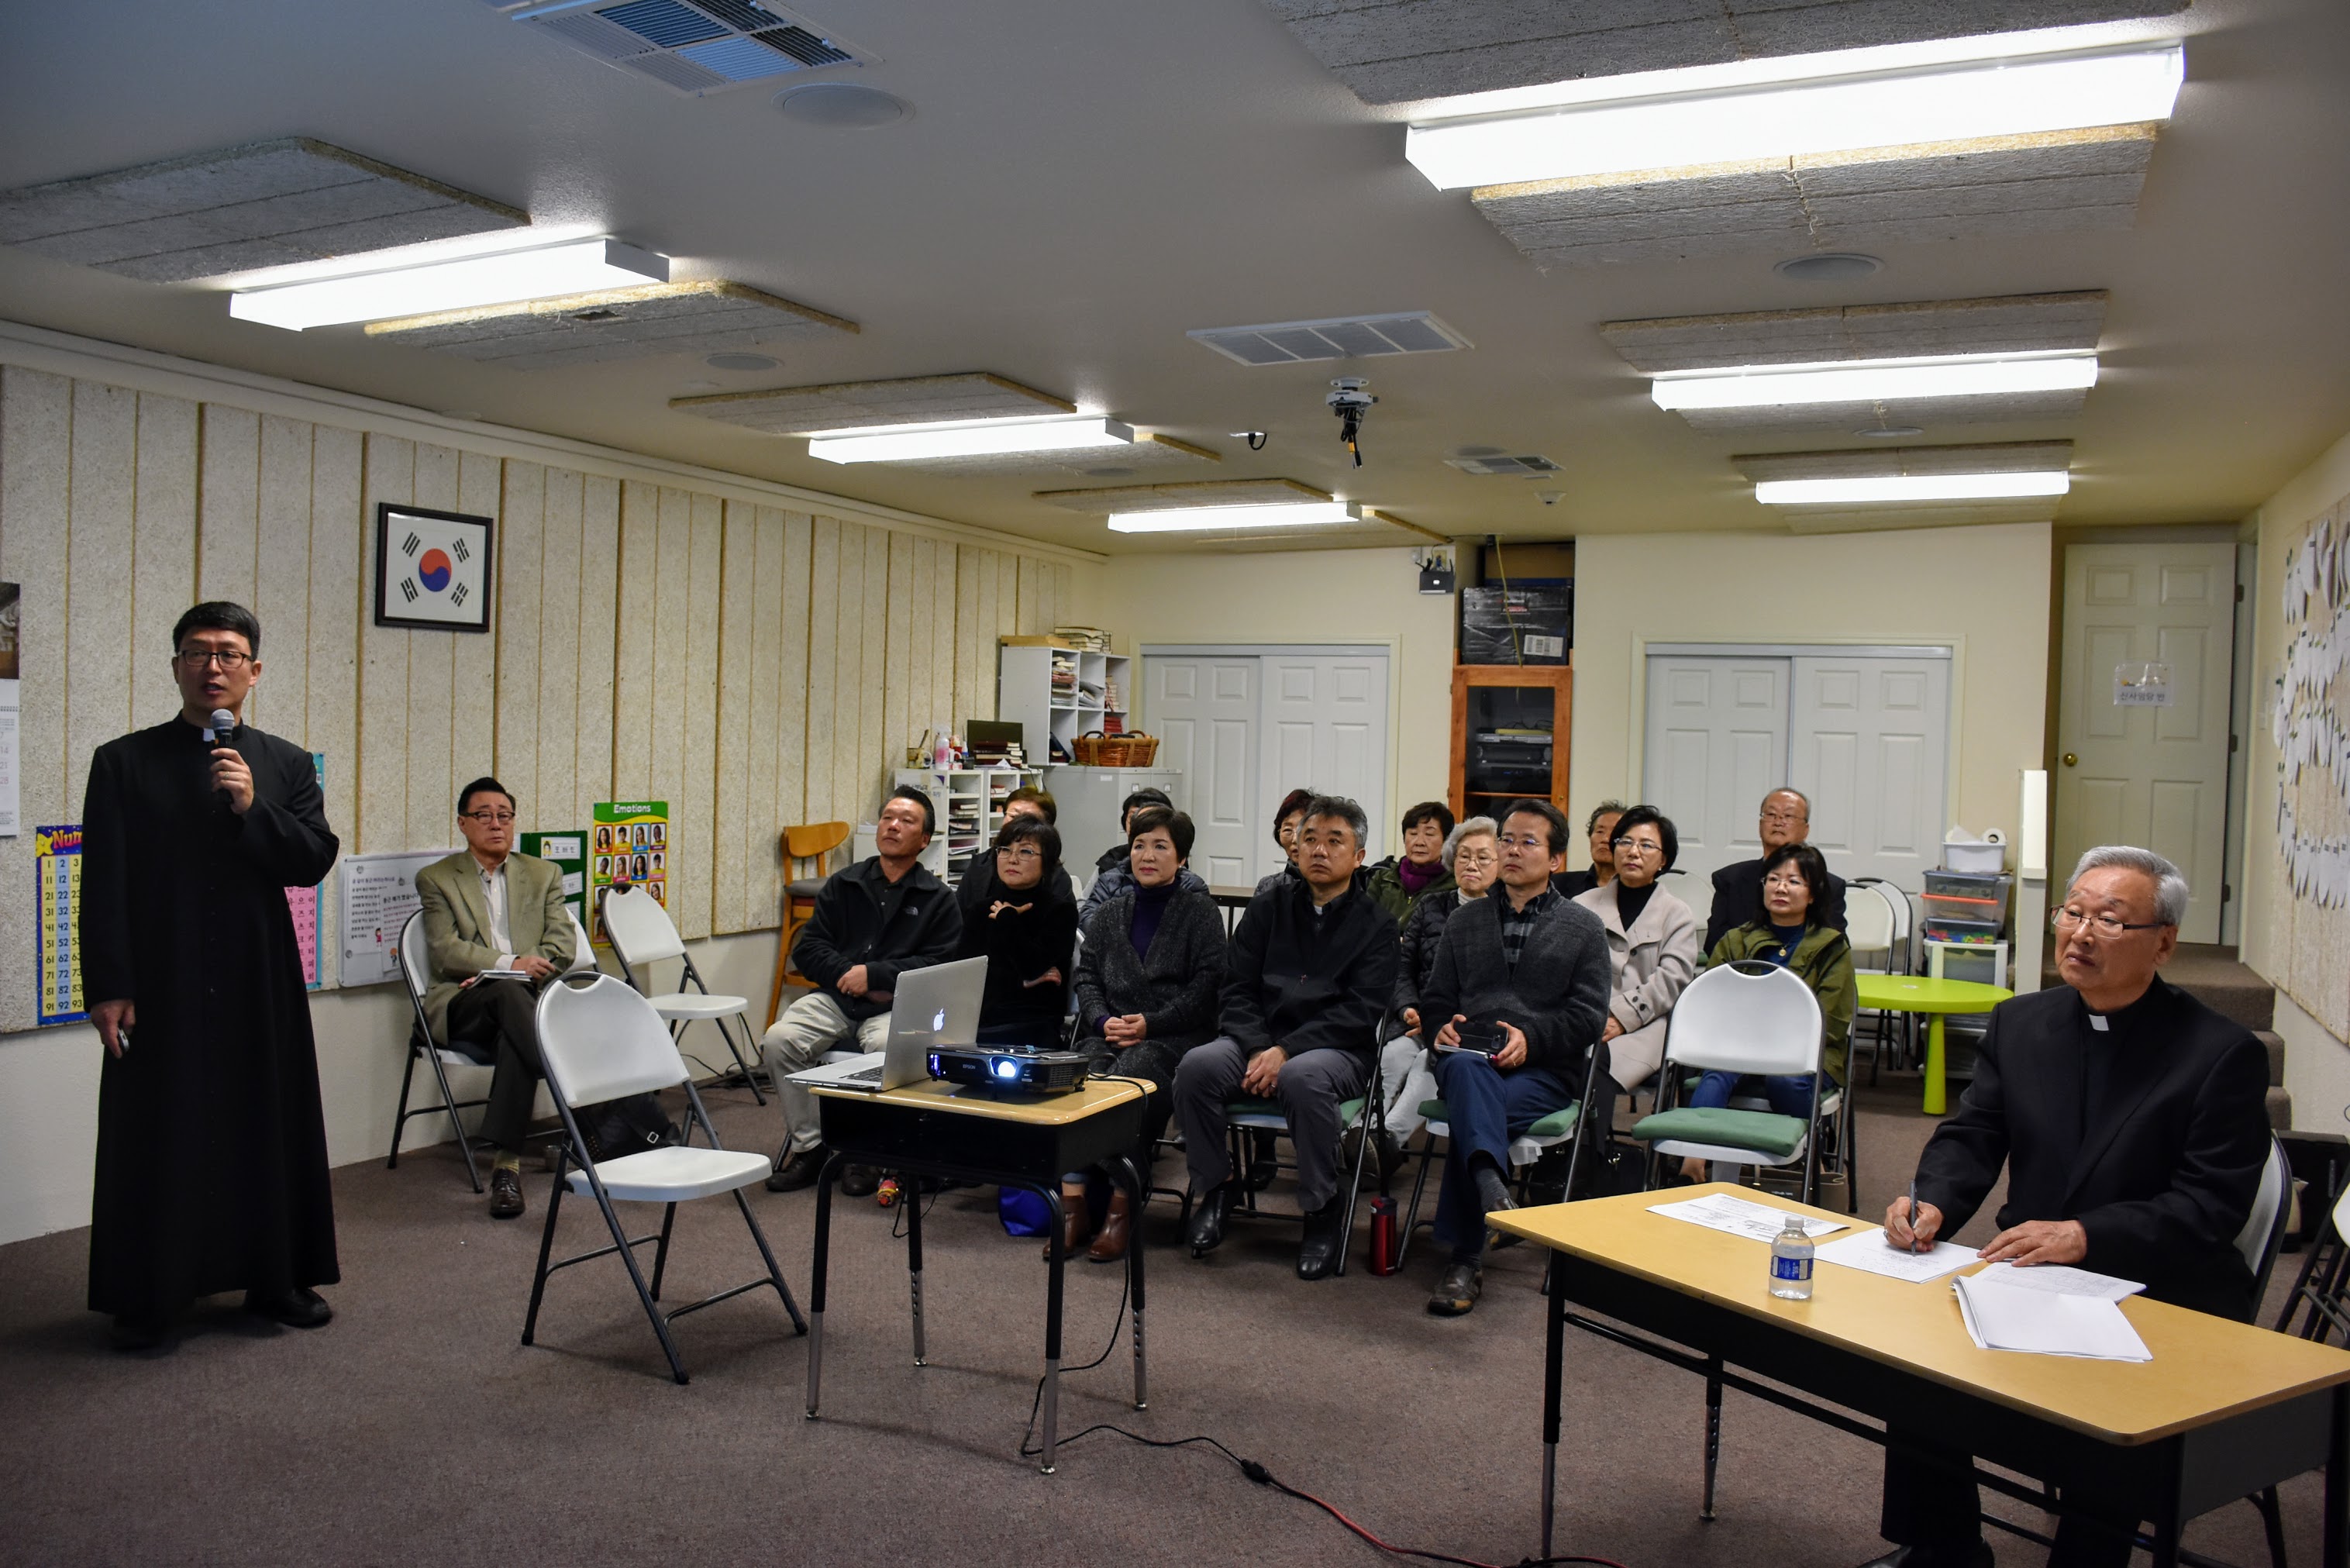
416, 976
1743, 1017
602, 1040
642, 935
583, 951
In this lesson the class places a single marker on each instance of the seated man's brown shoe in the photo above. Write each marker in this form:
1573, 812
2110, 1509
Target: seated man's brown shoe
1110, 1245
505, 1194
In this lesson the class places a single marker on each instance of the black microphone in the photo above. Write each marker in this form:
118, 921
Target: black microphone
216, 734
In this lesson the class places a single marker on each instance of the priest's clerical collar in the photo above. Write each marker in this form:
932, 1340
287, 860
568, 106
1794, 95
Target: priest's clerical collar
2126, 1016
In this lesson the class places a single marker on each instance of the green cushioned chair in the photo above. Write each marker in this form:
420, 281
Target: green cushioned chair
1246, 1114
1524, 1149
1744, 1018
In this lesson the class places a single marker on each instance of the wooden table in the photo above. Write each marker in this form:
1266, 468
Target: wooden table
1937, 998
2222, 1410
971, 1134
1231, 901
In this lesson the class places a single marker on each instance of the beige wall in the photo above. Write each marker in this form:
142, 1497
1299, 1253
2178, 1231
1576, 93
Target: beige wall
1982, 591
1330, 596
2289, 943
744, 653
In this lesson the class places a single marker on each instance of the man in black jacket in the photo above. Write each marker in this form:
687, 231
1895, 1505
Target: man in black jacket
873, 921
1738, 888
1310, 970
1525, 969
2132, 1121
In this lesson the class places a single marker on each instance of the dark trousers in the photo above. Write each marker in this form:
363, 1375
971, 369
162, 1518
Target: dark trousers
1485, 1107
495, 1021
1152, 1060
1927, 1505
1309, 1091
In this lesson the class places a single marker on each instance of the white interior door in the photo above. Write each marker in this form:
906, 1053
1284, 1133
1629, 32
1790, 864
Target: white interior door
1717, 742
2154, 776
1205, 714
1326, 727
1870, 746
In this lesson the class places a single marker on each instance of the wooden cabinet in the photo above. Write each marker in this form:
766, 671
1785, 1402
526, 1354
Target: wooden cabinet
1509, 727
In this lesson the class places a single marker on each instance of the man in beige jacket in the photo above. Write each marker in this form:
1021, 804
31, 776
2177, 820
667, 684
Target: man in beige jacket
489, 908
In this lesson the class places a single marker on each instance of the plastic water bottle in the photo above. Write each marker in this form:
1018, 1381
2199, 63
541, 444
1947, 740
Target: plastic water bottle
1791, 1261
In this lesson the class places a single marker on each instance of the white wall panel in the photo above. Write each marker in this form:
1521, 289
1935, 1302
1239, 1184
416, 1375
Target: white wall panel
229, 508
163, 553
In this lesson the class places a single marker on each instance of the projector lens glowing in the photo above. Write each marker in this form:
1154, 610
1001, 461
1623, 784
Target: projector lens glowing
1007, 1070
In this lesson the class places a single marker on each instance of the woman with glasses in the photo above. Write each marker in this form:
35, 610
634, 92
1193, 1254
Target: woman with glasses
1652, 944
1285, 823
1471, 858
1599, 830
1788, 930
1027, 931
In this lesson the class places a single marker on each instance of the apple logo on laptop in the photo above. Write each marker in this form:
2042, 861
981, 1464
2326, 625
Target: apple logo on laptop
939, 1025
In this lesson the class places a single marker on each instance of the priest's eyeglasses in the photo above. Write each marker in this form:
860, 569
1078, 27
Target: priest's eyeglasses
2069, 919
226, 658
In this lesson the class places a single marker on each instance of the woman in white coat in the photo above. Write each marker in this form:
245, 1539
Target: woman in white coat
1654, 943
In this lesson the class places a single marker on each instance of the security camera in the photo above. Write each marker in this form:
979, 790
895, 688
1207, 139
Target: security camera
1350, 402
1549, 497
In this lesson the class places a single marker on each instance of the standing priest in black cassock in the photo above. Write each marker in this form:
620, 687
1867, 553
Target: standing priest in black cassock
211, 1148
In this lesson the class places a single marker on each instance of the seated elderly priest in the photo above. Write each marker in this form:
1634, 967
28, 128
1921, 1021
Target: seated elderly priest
2132, 1122
1525, 971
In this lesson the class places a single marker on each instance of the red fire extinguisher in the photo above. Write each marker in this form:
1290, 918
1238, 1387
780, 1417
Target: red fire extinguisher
1383, 1235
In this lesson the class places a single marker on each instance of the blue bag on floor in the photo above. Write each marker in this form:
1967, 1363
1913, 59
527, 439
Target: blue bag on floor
1024, 1212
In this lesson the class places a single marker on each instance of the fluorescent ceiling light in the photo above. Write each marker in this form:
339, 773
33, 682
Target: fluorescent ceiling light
1911, 487
545, 272
1875, 380
1195, 519
977, 438
2013, 97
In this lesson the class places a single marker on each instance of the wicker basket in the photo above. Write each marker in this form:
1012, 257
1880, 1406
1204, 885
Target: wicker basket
1133, 750
1087, 749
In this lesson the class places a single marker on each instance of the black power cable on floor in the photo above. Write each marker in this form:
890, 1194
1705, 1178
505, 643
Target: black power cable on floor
1254, 1470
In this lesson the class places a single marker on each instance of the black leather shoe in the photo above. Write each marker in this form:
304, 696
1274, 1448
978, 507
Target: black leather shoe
859, 1181
1207, 1222
1975, 1553
798, 1170
130, 1332
1456, 1293
1318, 1255
296, 1308
505, 1194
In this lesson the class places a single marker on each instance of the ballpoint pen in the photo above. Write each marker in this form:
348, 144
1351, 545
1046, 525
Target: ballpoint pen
1913, 1215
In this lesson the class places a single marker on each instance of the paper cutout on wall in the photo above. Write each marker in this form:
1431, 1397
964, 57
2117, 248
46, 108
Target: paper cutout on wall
2309, 701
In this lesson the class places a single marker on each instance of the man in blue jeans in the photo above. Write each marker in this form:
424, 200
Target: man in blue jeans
1524, 970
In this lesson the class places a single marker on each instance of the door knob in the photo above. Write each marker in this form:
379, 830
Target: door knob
2072, 761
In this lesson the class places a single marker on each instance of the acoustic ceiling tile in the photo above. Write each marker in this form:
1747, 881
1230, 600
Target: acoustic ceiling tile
651, 318
874, 405
267, 204
1394, 51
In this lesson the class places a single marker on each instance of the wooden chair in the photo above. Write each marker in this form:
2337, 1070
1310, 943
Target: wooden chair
811, 842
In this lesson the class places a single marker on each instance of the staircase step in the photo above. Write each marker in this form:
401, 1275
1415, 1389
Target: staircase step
2275, 1046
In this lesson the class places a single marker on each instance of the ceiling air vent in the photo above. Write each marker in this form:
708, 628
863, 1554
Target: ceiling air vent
706, 47
1341, 338
1520, 467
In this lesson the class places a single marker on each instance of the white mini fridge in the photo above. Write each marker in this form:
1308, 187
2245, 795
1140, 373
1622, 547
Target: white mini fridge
1088, 801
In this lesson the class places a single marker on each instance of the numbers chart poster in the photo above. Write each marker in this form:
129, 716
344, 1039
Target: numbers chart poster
57, 871
629, 849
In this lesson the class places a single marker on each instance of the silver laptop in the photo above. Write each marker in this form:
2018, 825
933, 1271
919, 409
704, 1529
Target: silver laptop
932, 1007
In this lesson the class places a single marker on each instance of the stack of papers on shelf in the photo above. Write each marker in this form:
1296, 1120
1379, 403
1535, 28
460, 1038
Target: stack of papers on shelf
2004, 1316
1869, 1251
1740, 1217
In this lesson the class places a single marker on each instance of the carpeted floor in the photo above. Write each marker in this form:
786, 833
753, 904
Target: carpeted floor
415, 1428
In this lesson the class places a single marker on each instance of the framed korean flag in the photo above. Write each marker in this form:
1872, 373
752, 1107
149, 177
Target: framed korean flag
432, 568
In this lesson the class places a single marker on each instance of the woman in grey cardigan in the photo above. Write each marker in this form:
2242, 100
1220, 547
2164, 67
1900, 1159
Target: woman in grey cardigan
1149, 970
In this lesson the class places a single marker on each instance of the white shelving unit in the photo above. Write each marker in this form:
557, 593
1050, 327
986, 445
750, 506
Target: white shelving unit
969, 803
1061, 693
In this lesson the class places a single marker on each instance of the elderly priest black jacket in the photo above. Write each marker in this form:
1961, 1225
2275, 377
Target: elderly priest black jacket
2151, 1132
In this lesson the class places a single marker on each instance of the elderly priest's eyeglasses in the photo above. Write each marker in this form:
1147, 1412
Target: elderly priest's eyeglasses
2069, 919
226, 658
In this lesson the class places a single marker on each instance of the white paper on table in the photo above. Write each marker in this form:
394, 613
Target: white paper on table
2058, 1280
2042, 1323
1741, 1217
1869, 1251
